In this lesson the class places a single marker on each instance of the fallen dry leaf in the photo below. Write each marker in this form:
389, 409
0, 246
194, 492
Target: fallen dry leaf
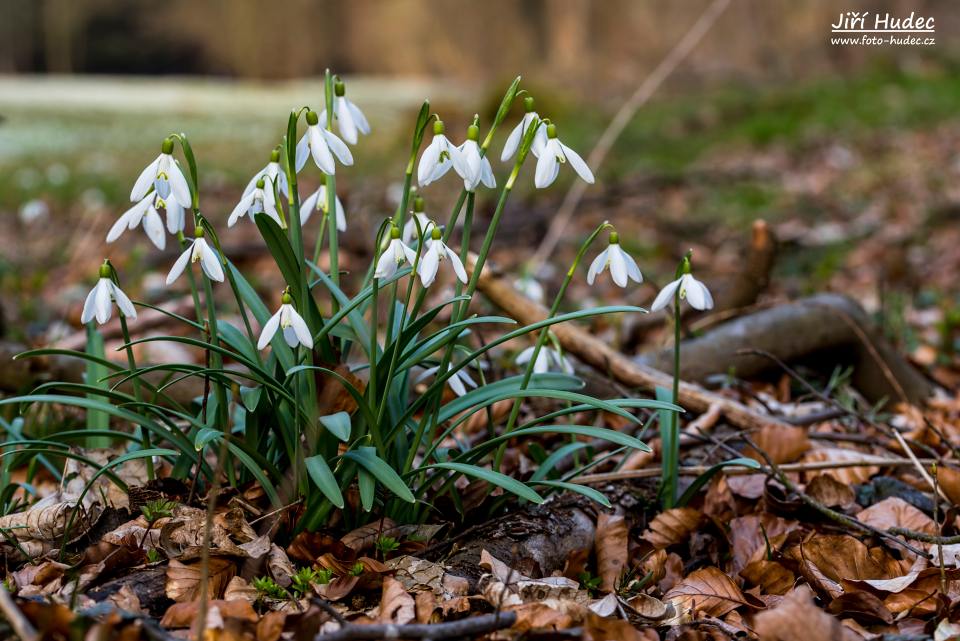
610, 544
846, 475
861, 606
796, 618
751, 535
396, 606
771, 576
826, 489
949, 481
895, 512
672, 527
183, 615
707, 591
783, 444
183, 579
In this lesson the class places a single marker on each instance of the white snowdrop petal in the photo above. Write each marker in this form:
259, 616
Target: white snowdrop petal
427, 373
241, 209
269, 329
144, 180
303, 152
597, 266
153, 226
513, 141
210, 262
338, 147
309, 206
618, 267
428, 163
547, 169
665, 297
300, 328
178, 185
345, 121
386, 265
320, 151
465, 377
429, 265
175, 217
524, 356
456, 385
124, 303
179, 266
361, 121
253, 181
577, 163
633, 271
89, 306
457, 265
102, 302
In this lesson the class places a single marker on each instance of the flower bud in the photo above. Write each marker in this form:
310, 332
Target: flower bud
438, 127
275, 155
167, 146
473, 133
528, 103
312, 118
198, 231
338, 87
260, 183
105, 270
551, 130
286, 299
418, 204
435, 234
614, 238
394, 232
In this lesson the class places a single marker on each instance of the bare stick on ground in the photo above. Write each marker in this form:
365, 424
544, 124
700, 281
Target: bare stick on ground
15, 617
463, 629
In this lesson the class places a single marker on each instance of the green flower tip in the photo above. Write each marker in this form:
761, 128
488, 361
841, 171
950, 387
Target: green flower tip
275, 155
473, 133
614, 238
394, 232
435, 233
551, 130
312, 117
528, 104
260, 183
166, 147
339, 88
286, 299
418, 204
438, 127
685, 265
105, 270
198, 231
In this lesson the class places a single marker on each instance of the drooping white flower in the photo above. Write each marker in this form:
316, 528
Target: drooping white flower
547, 359
97, 305
436, 252
295, 330
530, 287
176, 219
198, 251
457, 382
261, 200
472, 166
145, 211
348, 116
394, 255
622, 266
426, 225
516, 136
690, 288
165, 176
271, 174
323, 145
552, 155
437, 158
317, 201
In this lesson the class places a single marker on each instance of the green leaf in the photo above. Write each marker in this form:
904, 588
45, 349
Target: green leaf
702, 480
589, 492
338, 424
555, 457
324, 479
367, 457
670, 451
367, 486
508, 483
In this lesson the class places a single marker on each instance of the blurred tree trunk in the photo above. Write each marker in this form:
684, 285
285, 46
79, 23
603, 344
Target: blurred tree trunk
59, 27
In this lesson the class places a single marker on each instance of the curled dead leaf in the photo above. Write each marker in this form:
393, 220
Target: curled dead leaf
396, 606
183, 615
183, 579
796, 618
895, 512
826, 489
672, 527
610, 544
783, 444
707, 591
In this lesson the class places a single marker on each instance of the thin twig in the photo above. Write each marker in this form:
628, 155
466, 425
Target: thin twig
925, 538
18, 621
622, 118
462, 629
916, 463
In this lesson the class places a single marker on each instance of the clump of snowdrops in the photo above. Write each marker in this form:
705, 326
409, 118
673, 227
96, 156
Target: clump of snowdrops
261, 417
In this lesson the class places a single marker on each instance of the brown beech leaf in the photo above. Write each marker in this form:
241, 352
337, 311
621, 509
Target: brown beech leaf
610, 544
920, 597
597, 628
750, 535
846, 475
783, 444
771, 576
396, 606
899, 583
183, 579
828, 490
706, 591
949, 481
841, 557
862, 606
365, 537
672, 527
540, 616
796, 618
240, 590
183, 615
271, 625
307, 546
895, 512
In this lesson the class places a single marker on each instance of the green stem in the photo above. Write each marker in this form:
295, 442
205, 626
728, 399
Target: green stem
132, 365
542, 338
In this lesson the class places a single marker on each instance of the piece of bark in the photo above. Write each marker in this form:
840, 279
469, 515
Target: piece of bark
599, 355
148, 583
538, 539
829, 325
738, 292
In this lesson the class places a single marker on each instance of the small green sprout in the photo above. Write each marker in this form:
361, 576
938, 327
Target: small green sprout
268, 588
302, 580
357, 569
153, 511
324, 576
589, 582
153, 556
387, 544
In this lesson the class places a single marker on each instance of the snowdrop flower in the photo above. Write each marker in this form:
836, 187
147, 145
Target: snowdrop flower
437, 159
323, 145
317, 201
622, 266
200, 252
98, 300
175, 216
530, 287
410, 233
271, 174
394, 255
259, 201
552, 155
690, 288
145, 211
472, 166
547, 359
165, 176
295, 330
516, 136
435, 253
457, 382
349, 118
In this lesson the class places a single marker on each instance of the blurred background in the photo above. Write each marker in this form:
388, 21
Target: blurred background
850, 153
